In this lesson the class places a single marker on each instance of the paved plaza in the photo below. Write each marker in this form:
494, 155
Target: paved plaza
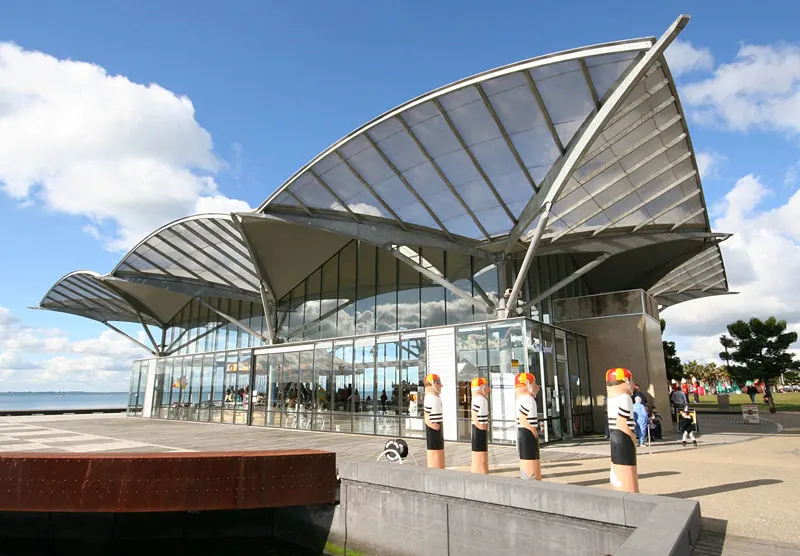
744, 475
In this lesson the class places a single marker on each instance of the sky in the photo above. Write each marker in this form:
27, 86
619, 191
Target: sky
118, 117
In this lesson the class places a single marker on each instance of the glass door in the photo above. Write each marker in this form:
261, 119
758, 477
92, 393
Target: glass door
562, 384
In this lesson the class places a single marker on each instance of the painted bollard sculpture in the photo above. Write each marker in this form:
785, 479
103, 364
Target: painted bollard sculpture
624, 474
434, 434
480, 426
530, 466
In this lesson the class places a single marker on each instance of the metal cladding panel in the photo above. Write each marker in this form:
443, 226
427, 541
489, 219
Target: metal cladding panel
160, 482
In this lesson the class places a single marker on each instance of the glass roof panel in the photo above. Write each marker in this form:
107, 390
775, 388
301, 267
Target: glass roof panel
494, 220
607, 69
459, 169
366, 203
474, 122
420, 113
566, 96
464, 226
436, 136
537, 150
459, 97
313, 194
517, 109
513, 187
369, 164
397, 196
286, 200
341, 180
401, 150
353, 146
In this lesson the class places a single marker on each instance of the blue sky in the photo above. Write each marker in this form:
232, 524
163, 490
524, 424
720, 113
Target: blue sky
272, 84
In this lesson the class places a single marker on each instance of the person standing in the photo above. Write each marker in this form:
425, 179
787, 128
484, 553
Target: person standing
641, 418
480, 426
434, 435
624, 474
530, 465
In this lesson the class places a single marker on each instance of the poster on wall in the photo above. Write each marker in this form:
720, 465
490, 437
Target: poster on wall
503, 406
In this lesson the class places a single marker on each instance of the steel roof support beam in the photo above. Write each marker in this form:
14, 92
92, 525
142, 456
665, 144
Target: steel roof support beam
566, 281
265, 290
232, 320
172, 351
611, 183
449, 286
677, 183
335, 195
381, 233
543, 109
469, 153
550, 190
408, 185
589, 83
203, 249
526, 262
131, 338
369, 188
208, 249
666, 210
158, 351
133, 301
440, 173
507, 138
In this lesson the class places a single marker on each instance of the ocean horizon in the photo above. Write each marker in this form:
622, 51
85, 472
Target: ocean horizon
29, 400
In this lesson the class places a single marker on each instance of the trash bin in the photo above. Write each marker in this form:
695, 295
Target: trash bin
723, 400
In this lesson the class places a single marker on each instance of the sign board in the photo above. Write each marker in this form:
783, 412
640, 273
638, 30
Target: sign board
750, 414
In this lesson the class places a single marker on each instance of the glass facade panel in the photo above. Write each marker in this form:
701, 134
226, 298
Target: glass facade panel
373, 384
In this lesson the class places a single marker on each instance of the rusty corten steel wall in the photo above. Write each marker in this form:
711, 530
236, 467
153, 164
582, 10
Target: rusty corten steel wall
157, 482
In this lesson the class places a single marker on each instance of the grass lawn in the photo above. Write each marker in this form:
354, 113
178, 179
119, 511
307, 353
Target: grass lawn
783, 402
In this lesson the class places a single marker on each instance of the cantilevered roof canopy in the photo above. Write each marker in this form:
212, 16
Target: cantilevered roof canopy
198, 255
584, 152
700, 276
86, 294
465, 159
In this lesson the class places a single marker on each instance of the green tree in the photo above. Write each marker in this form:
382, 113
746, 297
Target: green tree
708, 373
760, 351
791, 377
671, 359
727, 344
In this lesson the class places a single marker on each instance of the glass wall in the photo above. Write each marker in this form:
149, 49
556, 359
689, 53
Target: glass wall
136, 388
373, 383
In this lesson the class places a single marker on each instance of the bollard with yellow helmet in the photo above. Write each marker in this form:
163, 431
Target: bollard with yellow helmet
624, 474
530, 465
480, 425
434, 434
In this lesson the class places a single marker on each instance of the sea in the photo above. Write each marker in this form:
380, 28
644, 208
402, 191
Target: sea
62, 400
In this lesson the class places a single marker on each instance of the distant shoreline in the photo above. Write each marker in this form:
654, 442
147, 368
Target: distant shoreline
59, 392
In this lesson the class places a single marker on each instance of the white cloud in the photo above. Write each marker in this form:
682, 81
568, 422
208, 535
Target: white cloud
708, 163
762, 259
220, 203
682, 58
760, 89
128, 157
45, 359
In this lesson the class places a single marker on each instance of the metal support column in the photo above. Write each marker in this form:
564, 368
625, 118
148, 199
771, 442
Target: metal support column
526, 262
131, 338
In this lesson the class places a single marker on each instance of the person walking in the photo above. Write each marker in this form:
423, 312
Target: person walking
686, 425
641, 418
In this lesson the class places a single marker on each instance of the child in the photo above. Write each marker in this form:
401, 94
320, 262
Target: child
686, 425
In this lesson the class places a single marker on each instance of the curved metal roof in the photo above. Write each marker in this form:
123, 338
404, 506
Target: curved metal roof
592, 139
701, 276
202, 254
86, 294
465, 159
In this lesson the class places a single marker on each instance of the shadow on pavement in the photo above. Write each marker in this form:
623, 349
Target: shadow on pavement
507, 468
578, 472
722, 488
604, 480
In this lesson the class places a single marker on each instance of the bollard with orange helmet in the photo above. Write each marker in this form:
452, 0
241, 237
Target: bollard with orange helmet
530, 466
480, 425
434, 434
621, 425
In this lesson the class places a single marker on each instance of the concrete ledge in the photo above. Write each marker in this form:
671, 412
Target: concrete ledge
455, 511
